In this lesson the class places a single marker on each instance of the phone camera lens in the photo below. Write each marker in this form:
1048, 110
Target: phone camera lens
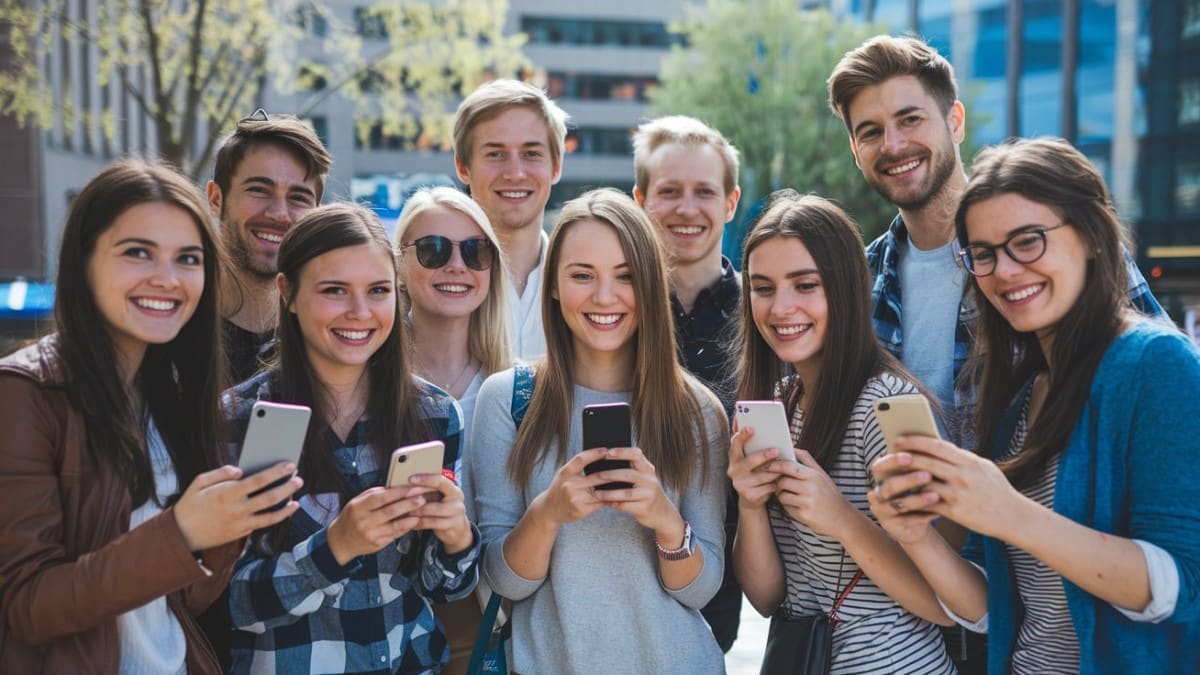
885, 406
262, 413
402, 459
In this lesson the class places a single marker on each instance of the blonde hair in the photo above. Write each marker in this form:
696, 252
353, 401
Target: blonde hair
682, 130
488, 339
492, 98
668, 403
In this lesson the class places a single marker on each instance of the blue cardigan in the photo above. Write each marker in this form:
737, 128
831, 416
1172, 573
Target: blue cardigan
1131, 469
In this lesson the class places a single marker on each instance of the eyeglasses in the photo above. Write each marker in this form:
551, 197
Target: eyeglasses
1025, 247
434, 251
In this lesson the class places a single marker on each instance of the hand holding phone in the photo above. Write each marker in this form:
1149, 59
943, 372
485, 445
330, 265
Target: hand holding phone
769, 421
410, 460
607, 425
905, 415
274, 434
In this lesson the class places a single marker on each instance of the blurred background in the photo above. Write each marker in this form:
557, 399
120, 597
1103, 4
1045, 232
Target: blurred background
83, 82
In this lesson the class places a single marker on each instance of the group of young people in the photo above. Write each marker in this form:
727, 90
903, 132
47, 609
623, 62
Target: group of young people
1054, 517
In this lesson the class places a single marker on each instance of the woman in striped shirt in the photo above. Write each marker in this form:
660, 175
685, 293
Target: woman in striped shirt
805, 529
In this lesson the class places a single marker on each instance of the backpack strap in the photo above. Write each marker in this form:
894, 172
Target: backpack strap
522, 392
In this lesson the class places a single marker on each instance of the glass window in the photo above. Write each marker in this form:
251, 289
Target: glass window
1190, 25
1189, 102
552, 30
1041, 69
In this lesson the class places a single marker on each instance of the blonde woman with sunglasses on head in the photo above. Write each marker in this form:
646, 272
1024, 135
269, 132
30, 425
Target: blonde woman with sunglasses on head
454, 277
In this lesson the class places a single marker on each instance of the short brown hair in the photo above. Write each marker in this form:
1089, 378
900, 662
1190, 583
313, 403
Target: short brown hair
880, 59
283, 131
492, 98
682, 130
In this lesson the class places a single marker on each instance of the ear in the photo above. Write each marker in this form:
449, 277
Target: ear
557, 172
284, 292
213, 192
731, 203
402, 278
956, 119
554, 292
639, 197
461, 169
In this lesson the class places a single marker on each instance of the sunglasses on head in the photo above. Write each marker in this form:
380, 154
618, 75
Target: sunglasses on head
434, 251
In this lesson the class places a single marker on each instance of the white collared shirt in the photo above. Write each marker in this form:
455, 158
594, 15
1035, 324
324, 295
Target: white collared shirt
525, 328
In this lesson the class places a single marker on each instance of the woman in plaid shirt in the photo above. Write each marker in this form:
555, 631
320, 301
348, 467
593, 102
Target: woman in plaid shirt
346, 585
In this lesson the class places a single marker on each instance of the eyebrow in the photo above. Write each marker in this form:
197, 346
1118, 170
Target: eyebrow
899, 113
790, 275
339, 282
1020, 229
136, 240
591, 266
295, 187
523, 144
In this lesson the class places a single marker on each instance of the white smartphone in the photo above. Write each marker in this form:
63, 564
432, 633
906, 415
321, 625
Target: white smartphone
413, 459
769, 421
905, 415
275, 434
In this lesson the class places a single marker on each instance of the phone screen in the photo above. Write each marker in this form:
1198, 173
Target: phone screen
607, 425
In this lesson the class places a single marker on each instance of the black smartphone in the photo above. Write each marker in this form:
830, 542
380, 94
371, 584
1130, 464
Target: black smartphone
607, 425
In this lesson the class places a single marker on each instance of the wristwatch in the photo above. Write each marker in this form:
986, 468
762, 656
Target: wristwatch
684, 551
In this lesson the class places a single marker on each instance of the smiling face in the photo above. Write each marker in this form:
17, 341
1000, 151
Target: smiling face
346, 307
267, 195
905, 147
510, 169
453, 290
787, 301
1032, 297
594, 288
147, 275
686, 199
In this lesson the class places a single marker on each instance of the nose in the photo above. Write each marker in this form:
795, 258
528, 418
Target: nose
515, 167
687, 205
456, 261
358, 308
784, 304
277, 210
605, 293
166, 275
1006, 267
894, 140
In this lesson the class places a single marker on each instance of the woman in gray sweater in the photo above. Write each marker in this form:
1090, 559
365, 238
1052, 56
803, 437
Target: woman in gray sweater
602, 580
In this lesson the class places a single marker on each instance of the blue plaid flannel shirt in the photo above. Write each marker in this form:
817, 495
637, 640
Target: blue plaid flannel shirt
301, 612
883, 258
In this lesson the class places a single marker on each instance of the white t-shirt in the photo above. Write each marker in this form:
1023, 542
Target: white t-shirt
525, 329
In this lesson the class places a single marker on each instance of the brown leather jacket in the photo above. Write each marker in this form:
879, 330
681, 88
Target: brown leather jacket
68, 563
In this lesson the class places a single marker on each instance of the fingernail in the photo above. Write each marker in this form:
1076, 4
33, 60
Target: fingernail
904, 458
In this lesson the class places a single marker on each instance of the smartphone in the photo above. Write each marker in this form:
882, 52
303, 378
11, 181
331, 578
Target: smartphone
275, 434
607, 425
771, 430
413, 459
905, 415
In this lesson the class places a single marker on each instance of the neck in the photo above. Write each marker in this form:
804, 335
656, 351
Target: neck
688, 280
932, 225
441, 349
808, 372
343, 388
523, 249
607, 371
251, 302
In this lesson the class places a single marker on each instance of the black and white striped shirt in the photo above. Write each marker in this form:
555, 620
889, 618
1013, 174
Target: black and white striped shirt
875, 634
1046, 639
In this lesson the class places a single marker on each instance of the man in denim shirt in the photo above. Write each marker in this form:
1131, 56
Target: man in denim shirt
686, 180
899, 100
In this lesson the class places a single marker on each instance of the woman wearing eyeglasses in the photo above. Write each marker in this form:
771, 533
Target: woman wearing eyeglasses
1086, 527
454, 277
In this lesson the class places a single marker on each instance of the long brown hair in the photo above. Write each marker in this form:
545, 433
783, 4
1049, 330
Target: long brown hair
179, 381
851, 352
392, 397
1059, 177
668, 415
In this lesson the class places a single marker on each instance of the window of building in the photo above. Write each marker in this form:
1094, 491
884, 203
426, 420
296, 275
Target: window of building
1190, 25
590, 87
369, 24
1189, 101
311, 20
545, 30
599, 141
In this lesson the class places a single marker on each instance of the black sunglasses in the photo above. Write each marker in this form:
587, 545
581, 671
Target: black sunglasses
434, 251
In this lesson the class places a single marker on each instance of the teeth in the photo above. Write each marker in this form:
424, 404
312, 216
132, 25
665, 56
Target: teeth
792, 330
687, 229
1022, 294
908, 166
352, 334
512, 194
452, 288
269, 236
604, 319
160, 305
